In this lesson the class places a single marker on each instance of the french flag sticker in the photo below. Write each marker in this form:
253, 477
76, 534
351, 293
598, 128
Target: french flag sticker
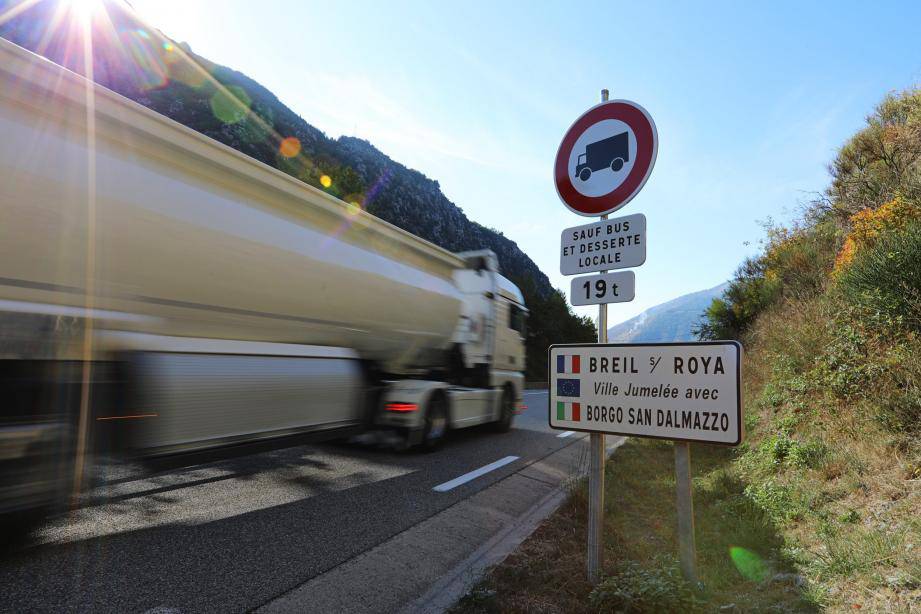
567, 364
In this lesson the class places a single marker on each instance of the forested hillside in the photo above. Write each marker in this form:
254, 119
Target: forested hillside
830, 315
142, 64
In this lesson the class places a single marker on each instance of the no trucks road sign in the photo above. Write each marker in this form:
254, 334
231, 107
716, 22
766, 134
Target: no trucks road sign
677, 391
605, 157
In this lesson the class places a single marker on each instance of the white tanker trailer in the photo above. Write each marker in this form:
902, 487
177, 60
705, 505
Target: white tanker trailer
183, 295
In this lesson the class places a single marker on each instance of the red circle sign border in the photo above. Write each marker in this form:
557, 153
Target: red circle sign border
647, 139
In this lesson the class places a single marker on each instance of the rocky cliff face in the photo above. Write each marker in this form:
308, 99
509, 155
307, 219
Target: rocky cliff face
414, 202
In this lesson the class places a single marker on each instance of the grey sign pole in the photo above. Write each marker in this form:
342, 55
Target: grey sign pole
686, 546
595, 557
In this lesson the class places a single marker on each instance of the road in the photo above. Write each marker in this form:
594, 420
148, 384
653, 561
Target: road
233, 534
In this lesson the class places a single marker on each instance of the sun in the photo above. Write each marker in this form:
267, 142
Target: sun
84, 9
181, 19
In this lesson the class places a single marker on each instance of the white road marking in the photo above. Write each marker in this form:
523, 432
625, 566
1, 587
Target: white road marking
565, 434
475, 474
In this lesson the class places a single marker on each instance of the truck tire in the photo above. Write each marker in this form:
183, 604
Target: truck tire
506, 412
55, 467
17, 526
585, 173
436, 423
617, 164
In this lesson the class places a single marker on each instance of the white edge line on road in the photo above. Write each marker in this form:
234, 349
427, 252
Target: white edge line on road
445, 593
565, 434
475, 474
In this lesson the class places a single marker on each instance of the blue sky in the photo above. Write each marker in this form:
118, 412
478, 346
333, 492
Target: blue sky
751, 101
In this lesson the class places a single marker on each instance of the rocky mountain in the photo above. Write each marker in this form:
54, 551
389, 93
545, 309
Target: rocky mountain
148, 67
671, 321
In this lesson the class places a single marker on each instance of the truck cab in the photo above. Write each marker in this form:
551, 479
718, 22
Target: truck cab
485, 382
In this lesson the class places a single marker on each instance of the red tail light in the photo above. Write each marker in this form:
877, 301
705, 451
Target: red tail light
404, 407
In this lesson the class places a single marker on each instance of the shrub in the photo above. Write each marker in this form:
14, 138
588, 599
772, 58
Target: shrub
634, 588
747, 296
778, 448
795, 264
869, 224
777, 501
900, 411
887, 277
810, 454
843, 367
782, 449
801, 258
883, 159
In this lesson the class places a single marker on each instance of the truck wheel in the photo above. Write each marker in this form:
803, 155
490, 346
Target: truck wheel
506, 413
585, 173
617, 164
436, 423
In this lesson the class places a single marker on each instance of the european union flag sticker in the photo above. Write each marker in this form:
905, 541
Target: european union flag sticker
567, 387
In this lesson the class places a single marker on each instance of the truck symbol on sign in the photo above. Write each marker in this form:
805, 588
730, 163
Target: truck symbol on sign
611, 153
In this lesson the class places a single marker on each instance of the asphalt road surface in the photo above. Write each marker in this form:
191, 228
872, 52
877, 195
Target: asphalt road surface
234, 533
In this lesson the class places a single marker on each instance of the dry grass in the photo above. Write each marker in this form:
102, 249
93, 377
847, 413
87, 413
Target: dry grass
856, 535
547, 573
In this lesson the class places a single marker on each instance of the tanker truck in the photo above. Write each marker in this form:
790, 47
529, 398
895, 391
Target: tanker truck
166, 293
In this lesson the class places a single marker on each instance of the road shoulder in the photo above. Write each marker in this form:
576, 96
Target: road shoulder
428, 567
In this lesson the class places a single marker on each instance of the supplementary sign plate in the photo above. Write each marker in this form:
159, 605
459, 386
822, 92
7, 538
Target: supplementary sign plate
619, 287
680, 391
618, 243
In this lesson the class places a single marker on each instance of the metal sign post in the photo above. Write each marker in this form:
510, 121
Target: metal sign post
602, 162
595, 555
687, 549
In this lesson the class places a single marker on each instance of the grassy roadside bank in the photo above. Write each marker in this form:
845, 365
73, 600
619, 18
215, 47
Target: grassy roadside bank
819, 509
740, 554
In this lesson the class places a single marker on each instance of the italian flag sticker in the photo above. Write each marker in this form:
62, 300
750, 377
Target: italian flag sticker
568, 411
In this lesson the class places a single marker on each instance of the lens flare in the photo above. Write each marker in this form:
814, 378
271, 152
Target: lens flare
182, 68
326, 181
147, 68
353, 207
749, 564
289, 147
230, 104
